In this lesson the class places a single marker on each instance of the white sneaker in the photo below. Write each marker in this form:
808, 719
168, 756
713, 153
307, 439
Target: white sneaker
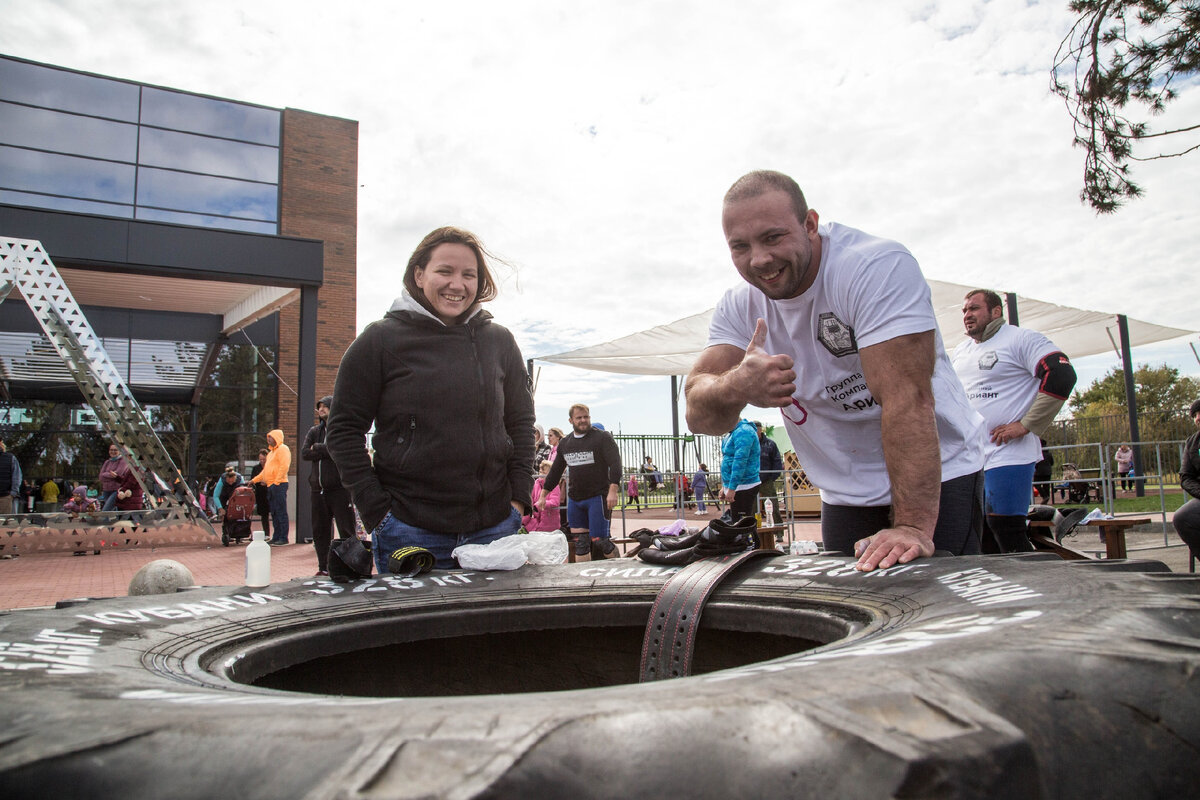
701, 513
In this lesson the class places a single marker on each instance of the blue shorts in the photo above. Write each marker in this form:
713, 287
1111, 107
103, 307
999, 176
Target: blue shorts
1008, 490
392, 534
588, 515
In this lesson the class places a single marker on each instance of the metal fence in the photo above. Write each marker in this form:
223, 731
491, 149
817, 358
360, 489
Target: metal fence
1099, 483
669, 453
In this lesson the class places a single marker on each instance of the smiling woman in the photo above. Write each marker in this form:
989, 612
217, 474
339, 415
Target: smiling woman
448, 395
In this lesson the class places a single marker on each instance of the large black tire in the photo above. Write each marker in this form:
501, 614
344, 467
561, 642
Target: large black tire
1006, 676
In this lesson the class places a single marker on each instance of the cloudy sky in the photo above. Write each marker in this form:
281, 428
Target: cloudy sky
589, 144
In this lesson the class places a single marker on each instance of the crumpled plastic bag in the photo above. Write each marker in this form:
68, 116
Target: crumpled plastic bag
513, 552
1095, 514
673, 528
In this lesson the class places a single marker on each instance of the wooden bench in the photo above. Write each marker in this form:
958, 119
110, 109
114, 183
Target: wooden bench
1041, 536
769, 536
1112, 535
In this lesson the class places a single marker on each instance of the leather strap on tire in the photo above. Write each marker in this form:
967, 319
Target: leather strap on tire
670, 638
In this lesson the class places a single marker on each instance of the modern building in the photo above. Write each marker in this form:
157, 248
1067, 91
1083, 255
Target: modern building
211, 244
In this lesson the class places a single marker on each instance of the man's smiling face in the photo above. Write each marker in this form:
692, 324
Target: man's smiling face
773, 250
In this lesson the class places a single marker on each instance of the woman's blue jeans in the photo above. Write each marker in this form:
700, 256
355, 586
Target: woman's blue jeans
392, 534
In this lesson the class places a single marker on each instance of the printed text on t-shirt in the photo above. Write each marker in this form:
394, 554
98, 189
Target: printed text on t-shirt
852, 393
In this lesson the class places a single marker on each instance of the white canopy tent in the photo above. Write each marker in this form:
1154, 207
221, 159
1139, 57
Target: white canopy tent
672, 349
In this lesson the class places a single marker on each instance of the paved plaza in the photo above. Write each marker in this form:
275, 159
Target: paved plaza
43, 579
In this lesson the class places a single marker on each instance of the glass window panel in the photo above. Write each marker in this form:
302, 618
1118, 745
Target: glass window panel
159, 363
189, 112
68, 91
215, 156
66, 204
67, 133
226, 197
204, 221
69, 176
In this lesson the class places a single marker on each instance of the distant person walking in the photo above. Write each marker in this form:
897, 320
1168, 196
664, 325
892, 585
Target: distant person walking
330, 500
700, 487
770, 466
544, 516
740, 456
1124, 458
27, 496
274, 476
10, 479
541, 448
631, 493
111, 473
261, 505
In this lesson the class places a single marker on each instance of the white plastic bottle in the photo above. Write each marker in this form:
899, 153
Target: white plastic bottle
258, 561
769, 513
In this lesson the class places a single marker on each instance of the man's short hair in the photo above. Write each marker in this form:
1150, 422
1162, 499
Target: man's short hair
578, 407
990, 298
1195, 407
761, 181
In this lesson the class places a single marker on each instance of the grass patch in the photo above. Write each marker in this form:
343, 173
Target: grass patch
1149, 503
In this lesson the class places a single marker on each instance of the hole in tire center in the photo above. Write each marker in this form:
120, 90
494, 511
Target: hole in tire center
519, 656
524, 661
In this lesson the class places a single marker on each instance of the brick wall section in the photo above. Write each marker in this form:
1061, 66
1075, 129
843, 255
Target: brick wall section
319, 200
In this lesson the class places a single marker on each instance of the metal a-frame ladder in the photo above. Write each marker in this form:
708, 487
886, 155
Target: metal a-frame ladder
25, 266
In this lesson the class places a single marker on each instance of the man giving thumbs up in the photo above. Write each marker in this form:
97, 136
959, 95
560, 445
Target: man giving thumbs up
836, 328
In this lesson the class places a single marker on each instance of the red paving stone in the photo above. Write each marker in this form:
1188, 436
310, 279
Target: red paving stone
42, 579
45, 578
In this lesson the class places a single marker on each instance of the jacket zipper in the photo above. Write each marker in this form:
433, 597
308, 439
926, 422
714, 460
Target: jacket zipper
479, 470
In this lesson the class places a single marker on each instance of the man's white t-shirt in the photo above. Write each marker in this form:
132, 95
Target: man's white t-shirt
1000, 377
868, 290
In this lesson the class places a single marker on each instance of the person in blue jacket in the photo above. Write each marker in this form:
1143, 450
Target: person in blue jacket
740, 454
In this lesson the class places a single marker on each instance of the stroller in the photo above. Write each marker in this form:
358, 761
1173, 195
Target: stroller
238, 511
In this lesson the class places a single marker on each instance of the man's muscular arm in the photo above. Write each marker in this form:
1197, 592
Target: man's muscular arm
899, 373
725, 379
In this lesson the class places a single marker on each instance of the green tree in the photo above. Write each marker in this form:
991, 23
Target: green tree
1121, 53
1158, 389
1162, 401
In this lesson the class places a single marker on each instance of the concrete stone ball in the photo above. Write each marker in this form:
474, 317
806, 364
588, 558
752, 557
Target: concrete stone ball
162, 576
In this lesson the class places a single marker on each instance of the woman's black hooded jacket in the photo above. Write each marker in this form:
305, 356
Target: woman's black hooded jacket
453, 418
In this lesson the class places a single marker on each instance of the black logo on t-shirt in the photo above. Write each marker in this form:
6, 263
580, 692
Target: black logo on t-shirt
836, 336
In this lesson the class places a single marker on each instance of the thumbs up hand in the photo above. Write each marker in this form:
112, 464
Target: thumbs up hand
765, 380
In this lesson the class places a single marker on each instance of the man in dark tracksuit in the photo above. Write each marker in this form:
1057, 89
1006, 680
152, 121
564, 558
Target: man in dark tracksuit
595, 464
330, 500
